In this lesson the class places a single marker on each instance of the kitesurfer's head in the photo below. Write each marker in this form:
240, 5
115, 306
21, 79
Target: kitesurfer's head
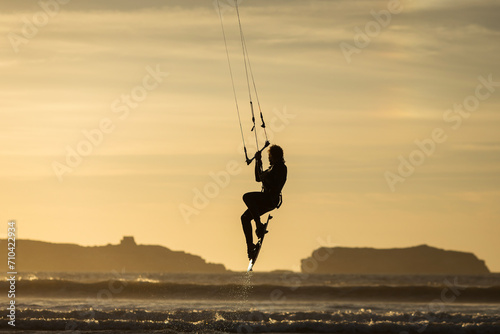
276, 155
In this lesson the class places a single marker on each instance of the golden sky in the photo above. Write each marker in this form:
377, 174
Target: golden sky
347, 89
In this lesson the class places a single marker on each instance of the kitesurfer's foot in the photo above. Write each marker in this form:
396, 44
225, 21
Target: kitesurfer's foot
250, 251
260, 231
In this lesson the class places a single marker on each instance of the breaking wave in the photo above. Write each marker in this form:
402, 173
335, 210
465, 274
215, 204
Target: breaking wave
362, 321
161, 290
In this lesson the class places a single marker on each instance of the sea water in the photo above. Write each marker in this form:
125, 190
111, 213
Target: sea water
281, 302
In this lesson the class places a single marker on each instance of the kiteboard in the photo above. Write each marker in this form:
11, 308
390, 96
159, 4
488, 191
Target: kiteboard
258, 246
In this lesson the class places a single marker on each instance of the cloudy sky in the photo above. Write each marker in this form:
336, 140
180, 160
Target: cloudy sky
346, 95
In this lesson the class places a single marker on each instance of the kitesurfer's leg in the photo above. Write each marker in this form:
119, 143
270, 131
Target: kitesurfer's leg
253, 202
258, 203
246, 222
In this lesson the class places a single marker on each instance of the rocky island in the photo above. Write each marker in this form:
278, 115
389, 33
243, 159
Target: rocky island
421, 259
45, 256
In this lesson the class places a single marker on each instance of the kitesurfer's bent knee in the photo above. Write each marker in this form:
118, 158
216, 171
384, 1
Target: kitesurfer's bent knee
258, 203
251, 198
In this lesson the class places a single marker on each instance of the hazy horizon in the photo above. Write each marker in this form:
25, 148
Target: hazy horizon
295, 269
345, 111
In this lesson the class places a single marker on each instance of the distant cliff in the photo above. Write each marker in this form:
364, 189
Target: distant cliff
34, 255
414, 260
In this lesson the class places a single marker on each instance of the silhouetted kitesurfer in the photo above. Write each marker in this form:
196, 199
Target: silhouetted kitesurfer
273, 179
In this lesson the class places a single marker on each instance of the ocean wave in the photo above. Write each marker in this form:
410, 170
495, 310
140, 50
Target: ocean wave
281, 278
162, 290
363, 321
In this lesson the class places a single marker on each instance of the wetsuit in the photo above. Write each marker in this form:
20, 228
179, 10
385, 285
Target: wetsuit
273, 179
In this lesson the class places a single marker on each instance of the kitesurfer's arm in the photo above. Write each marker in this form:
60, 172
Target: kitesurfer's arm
258, 166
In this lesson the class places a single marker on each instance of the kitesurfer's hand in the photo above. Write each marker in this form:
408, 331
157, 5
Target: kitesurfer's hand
258, 156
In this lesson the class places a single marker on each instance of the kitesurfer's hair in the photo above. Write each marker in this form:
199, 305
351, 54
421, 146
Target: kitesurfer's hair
277, 153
